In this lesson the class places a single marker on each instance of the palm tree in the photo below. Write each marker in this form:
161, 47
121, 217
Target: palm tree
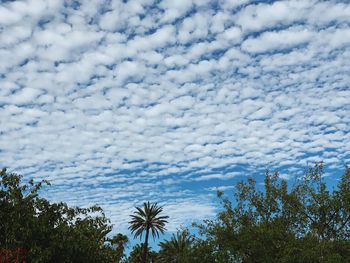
147, 219
176, 250
119, 242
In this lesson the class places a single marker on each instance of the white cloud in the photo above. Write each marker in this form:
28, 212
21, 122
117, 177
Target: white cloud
221, 188
25, 96
175, 9
277, 40
232, 34
261, 16
158, 39
8, 16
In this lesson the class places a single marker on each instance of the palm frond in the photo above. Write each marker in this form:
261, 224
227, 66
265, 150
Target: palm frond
148, 217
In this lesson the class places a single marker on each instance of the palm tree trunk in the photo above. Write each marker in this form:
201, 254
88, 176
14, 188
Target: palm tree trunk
144, 256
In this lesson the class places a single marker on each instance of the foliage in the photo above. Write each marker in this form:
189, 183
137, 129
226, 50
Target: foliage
177, 249
118, 244
305, 222
147, 219
136, 253
51, 232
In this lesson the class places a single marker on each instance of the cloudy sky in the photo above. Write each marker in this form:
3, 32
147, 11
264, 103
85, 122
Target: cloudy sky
118, 102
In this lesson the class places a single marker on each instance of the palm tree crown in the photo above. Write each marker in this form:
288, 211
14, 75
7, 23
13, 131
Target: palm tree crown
177, 248
147, 219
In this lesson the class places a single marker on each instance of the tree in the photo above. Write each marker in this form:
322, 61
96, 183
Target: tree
177, 249
147, 219
136, 253
118, 243
305, 222
50, 232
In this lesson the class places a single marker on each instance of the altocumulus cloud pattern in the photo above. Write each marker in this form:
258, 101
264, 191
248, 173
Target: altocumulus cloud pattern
117, 102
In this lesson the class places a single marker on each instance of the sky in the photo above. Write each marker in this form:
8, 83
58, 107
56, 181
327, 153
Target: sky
120, 102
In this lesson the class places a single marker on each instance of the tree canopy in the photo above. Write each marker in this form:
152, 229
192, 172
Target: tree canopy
304, 221
147, 220
51, 232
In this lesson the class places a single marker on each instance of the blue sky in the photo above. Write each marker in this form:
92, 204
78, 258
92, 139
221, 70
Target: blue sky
120, 102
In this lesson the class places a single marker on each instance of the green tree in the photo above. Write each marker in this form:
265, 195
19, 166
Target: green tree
305, 222
202, 251
50, 232
118, 244
146, 220
177, 249
136, 253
